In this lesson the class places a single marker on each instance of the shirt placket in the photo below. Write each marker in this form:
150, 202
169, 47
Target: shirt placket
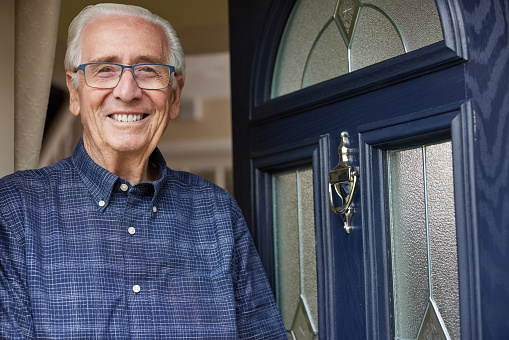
138, 208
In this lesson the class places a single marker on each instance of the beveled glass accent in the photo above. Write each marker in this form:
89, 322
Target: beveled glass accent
432, 327
294, 246
302, 328
370, 32
346, 15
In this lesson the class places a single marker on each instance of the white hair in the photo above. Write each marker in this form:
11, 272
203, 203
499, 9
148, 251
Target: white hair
92, 12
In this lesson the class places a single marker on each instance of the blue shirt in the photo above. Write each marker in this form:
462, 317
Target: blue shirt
85, 255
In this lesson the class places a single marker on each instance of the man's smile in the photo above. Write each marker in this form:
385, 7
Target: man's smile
127, 117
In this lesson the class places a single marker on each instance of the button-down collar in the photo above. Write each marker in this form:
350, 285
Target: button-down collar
100, 182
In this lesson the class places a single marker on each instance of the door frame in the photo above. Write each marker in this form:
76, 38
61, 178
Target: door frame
255, 31
454, 122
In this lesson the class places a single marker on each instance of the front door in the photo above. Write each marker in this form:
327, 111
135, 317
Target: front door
357, 166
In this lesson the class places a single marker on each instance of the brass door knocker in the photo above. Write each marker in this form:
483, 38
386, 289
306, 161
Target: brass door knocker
343, 180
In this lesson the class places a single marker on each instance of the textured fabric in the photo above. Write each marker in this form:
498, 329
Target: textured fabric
80, 258
36, 39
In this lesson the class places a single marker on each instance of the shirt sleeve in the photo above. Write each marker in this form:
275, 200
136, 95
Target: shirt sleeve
15, 316
257, 314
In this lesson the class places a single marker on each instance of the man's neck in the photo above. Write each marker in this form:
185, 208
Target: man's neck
134, 167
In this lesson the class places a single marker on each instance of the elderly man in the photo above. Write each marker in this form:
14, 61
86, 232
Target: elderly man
110, 243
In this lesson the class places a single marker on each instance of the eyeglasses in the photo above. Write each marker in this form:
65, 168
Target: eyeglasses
107, 75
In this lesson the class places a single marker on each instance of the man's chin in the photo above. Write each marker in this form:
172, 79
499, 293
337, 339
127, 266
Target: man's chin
130, 148
128, 145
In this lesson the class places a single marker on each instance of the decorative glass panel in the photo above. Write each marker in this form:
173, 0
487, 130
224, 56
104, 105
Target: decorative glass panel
332, 52
425, 287
327, 38
376, 39
442, 235
295, 253
408, 241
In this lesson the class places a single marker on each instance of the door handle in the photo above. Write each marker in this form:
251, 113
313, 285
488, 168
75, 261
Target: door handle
343, 180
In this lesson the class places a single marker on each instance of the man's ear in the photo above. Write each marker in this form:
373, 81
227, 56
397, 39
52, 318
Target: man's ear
74, 102
175, 97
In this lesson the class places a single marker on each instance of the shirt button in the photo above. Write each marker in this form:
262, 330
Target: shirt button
136, 289
131, 230
124, 187
154, 208
102, 203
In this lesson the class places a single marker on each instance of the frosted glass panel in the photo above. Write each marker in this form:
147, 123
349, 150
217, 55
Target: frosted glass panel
442, 229
302, 29
423, 237
418, 20
307, 217
408, 241
315, 48
327, 59
376, 39
287, 245
295, 253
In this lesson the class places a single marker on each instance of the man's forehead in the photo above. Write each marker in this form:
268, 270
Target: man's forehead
109, 38
152, 59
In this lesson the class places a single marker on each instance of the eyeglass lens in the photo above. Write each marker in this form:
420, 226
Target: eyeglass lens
148, 76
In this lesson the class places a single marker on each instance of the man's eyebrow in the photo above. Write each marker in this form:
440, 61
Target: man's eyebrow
105, 59
137, 60
150, 59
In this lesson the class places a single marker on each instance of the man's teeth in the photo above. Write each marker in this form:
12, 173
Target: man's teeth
127, 118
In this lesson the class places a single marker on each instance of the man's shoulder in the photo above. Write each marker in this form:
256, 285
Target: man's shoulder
190, 184
193, 192
23, 180
190, 180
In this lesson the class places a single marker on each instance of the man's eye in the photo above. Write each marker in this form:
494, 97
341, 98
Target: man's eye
147, 69
105, 69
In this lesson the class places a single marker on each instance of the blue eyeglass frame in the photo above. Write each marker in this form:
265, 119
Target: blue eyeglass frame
131, 67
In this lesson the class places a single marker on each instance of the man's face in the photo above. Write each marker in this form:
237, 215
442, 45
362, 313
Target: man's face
126, 41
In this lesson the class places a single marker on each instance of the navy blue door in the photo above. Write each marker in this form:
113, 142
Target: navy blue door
455, 90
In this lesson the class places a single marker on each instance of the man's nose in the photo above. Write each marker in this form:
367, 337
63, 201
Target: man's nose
127, 89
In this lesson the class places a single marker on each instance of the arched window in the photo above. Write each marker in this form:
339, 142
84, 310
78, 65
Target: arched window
329, 38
